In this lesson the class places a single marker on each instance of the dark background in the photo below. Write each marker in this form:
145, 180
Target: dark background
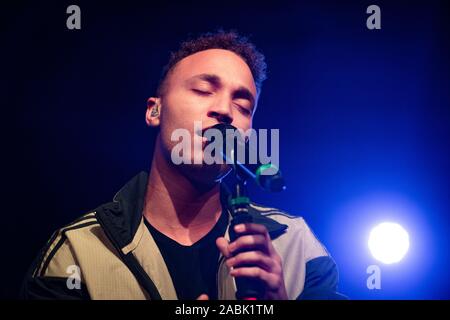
363, 118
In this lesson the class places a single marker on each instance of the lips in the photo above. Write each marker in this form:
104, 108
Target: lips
201, 133
204, 130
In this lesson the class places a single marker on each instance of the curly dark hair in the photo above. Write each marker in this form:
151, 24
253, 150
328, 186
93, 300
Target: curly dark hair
228, 40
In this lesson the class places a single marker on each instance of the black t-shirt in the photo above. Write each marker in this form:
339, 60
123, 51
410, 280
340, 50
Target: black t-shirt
193, 268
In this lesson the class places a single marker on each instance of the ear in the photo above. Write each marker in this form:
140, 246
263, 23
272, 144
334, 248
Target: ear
153, 112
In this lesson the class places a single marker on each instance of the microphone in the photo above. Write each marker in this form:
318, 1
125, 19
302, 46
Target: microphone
260, 173
267, 176
246, 288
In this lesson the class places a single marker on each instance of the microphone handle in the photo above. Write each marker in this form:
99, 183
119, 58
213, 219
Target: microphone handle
247, 288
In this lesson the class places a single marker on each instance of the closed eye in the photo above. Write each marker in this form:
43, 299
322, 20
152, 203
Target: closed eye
243, 110
201, 92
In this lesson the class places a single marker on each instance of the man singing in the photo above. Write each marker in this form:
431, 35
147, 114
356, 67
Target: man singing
165, 235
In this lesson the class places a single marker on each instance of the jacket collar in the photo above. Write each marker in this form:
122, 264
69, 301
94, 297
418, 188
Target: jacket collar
123, 216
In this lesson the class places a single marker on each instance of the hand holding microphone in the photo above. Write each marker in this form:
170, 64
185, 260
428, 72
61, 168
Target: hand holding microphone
252, 255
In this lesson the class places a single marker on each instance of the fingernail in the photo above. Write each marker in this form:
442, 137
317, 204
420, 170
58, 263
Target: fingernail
239, 227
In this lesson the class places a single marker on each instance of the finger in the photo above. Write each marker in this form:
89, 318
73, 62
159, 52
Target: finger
223, 246
249, 242
251, 228
203, 296
254, 228
271, 280
256, 258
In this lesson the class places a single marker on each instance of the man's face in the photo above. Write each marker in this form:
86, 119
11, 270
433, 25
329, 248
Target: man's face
210, 86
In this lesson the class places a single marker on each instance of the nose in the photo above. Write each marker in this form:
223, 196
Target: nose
222, 111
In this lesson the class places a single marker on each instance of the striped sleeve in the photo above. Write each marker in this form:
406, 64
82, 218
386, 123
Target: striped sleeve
48, 277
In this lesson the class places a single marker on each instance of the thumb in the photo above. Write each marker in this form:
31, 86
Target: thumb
222, 244
203, 297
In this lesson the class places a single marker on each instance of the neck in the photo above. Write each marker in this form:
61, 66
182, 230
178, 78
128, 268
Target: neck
175, 206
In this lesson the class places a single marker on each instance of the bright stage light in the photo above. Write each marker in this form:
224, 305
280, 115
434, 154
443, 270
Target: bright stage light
388, 242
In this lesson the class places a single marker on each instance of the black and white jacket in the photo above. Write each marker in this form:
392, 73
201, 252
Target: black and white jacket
117, 258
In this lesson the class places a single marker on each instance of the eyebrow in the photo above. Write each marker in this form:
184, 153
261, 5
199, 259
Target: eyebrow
240, 93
